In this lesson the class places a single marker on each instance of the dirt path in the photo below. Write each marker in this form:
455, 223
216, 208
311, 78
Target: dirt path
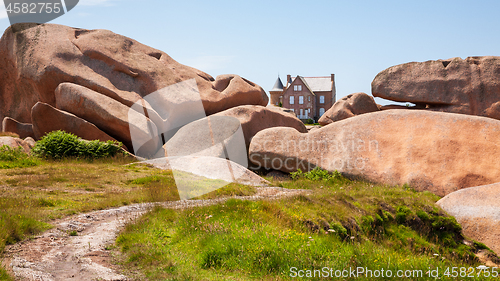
56, 255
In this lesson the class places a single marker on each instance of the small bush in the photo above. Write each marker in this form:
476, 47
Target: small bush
403, 214
59, 144
8, 153
15, 158
340, 230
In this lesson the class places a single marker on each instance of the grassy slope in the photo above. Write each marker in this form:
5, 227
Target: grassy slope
375, 226
33, 191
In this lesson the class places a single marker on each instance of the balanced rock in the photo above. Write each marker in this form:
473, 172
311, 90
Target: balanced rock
24, 130
47, 119
477, 209
439, 152
36, 58
467, 86
255, 118
349, 106
15, 143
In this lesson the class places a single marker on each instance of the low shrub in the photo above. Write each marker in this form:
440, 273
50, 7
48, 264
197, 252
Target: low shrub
59, 144
15, 158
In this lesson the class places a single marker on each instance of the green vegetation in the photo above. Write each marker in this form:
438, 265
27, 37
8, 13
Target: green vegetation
15, 158
339, 224
59, 144
309, 121
34, 191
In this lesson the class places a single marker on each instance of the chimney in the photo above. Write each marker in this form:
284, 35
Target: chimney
333, 77
288, 80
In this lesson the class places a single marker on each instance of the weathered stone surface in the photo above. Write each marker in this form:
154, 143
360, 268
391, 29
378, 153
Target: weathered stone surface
214, 136
47, 119
254, 118
439, 152
349, 106
281, 109
470, 86
24, 130
477, 209
14, 143
30, 141
35, 59
110, 116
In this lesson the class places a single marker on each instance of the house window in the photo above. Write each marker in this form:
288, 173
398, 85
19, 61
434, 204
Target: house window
309, 98
292, 99
301, 99
321, 99
321, 112
301, 112
297, 88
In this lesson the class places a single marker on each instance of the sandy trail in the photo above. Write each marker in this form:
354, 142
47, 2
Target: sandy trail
55, 255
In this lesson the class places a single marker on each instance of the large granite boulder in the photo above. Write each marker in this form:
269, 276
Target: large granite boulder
477, 209
36, 58
47, 119
467, 86
255, 118
349, 106
439, 152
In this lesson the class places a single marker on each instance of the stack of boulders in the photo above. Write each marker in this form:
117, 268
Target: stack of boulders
88, 82
101, 85
447, 142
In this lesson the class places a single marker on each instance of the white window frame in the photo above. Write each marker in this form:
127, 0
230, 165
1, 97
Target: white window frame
321, 99
321, 111
292, 100
297, 88
301, 99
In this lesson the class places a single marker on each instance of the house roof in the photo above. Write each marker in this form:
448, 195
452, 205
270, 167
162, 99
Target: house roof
319, 84
278, 86
307, 85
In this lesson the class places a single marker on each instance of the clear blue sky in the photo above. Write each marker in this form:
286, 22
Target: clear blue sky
259, 39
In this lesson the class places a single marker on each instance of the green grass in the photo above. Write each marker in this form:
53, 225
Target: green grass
341, 224
15, 158
31, 196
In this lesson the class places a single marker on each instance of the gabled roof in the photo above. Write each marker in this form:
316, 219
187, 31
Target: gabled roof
278, 86
317, 84
320, 84
307, 85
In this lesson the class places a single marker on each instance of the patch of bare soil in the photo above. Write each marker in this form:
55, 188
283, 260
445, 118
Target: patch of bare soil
76, 248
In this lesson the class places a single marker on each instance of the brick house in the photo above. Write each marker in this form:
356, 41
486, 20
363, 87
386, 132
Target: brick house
308, 97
